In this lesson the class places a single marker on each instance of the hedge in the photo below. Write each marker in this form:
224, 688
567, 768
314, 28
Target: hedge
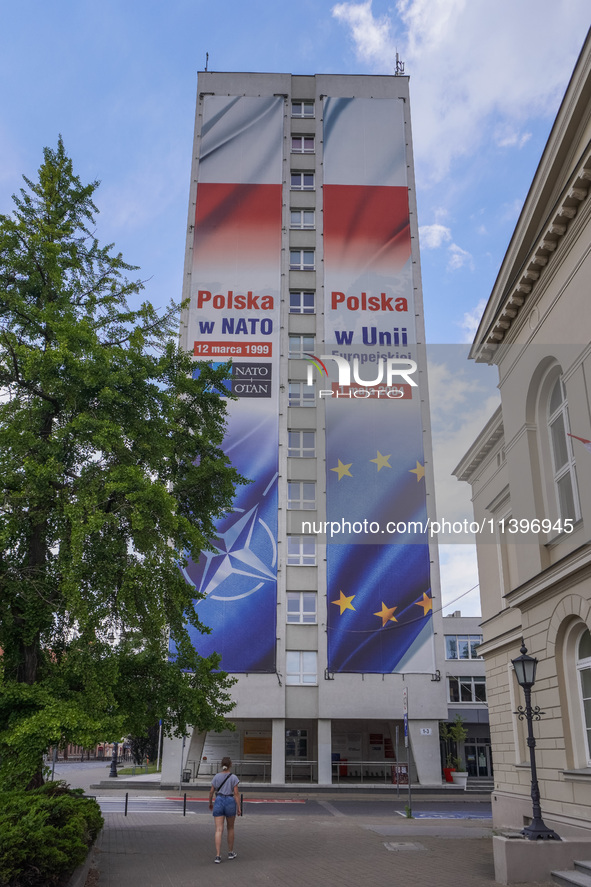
44, 834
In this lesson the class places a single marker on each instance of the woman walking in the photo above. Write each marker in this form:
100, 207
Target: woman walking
227, 804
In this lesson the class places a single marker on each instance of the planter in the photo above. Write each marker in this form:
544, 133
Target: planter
447, 772
460, 778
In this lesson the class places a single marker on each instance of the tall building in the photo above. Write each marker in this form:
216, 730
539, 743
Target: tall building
302, 267
530, 473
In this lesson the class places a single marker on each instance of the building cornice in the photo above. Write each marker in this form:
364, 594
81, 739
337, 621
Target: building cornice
521, 290
562, 181
567, 572
489, 436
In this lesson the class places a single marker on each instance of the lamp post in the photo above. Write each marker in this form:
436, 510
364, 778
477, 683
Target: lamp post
113, 771
525, 671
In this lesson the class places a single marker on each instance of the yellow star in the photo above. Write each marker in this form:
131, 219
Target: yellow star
381, 461
386, 614
426, 604
419, 471
344, 602
342, 470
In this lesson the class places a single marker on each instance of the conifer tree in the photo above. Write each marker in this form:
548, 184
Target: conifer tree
111, 473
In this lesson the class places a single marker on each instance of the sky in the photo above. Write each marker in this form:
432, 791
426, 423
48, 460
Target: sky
117, 80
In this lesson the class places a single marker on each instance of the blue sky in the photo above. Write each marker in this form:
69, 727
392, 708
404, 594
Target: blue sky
118, 81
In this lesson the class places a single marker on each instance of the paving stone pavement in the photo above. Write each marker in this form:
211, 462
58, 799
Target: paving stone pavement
166, 849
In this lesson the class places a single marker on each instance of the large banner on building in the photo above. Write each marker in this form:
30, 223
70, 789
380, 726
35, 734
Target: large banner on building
378, 578
234, 313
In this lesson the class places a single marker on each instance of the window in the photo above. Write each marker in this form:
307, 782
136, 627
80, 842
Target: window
463, 689
584, 670
296, 744
462, 646
301, 395
563, 462
301, 496
302, 144
301, 667
301, 606
302, 109
301, 260
301, 551
299, 345
302, 218
301, 444
302, 302
302, 181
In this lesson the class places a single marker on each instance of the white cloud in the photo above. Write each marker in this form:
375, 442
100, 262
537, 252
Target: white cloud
471, 82
459, 258
371, 35
434, 236
506, 136
471, 319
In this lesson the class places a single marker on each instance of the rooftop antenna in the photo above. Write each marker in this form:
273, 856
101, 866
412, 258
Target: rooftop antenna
207, 60
399, 66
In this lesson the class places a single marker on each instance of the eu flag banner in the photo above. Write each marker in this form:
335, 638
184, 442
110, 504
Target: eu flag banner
234, 314
379, 595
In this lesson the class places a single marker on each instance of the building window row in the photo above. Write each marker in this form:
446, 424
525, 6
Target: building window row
302, 302
563, 461
302, 181
301, 667
302, 219
301, 551
301, 395
462, 646
301, 444
584, 672
301, 345
301, 496
466, 689
302, 109
301, 607
301, 260
302, 144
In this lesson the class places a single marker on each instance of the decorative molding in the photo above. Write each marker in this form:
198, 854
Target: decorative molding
545, 246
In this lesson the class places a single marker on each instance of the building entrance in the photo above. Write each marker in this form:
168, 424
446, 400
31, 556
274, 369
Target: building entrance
478, 758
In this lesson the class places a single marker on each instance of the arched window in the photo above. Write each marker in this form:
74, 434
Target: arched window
563, 462
584, 670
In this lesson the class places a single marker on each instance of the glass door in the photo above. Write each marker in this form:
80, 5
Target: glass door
478, 760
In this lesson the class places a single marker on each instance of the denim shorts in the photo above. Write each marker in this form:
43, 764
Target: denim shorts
224, 805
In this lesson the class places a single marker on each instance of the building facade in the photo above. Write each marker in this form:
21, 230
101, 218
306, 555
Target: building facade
530, 472
302, 267
465, 685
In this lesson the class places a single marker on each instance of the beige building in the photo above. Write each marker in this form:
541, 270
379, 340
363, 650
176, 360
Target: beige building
530, 473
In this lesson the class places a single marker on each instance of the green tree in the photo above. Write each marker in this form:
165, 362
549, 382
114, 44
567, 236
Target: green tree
111, 474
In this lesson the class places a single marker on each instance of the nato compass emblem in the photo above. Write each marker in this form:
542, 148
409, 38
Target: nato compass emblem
244, 557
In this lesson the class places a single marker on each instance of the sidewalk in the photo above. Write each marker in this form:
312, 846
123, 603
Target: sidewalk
327, 848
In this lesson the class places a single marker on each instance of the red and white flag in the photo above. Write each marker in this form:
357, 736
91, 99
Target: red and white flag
586, 443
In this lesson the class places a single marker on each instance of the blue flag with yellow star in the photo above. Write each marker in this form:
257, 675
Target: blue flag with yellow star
378, 568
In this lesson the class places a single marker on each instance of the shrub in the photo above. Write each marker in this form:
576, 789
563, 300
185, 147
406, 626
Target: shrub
45, 834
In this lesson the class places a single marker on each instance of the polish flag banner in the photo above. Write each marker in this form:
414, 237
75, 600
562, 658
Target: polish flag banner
586, 443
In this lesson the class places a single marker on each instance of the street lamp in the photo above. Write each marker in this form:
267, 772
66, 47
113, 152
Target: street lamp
114, 756
525, 671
